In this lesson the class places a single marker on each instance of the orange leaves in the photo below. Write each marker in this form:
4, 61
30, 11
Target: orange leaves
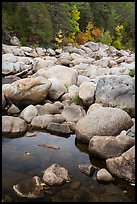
96, 32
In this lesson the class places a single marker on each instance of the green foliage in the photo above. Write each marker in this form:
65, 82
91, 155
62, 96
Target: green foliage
78, 101
106, 38
38, 23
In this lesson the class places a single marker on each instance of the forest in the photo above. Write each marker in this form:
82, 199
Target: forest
56, 24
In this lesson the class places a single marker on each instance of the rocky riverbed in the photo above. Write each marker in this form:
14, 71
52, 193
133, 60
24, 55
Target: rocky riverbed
87, 90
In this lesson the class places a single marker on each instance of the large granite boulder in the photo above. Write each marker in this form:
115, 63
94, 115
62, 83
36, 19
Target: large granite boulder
11, 124
102, 121
110, 146
67, 76
117, 91
123, 166
28, 91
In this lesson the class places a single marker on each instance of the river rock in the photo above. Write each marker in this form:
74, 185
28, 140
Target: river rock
73, 113
67, 76
47, 108
41, 121
110, 146
103, 121
11, 124
29, 113
13, 110
123, 166
56, 90
30, 188
28, 91
104, 176
93, 46
58, 128
56, 175
117, 91
87, 169
87, 93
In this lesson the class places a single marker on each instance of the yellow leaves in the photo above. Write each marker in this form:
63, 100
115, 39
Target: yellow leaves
59, 37
75, 13
119, 29
89, 26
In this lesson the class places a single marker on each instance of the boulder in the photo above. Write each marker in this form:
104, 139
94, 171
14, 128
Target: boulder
123, 166
47, 108
57, 89
28, 91
117, 91
87, 93
73, 113
104, 121
58, 128
110, 146
67, 76
29, 113
56, 175
11, 124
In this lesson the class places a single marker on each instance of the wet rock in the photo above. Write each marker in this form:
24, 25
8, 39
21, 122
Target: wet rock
104, 121
29, 113
28, 91
56, 175
117, 91
58, 128
51, 146
73, 113
104, 176
30, 188
123, 166
87, 169
11, 124
110, 146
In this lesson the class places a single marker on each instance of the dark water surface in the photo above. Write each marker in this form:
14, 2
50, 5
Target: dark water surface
22, 158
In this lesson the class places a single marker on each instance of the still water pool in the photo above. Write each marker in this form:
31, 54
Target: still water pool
23, 158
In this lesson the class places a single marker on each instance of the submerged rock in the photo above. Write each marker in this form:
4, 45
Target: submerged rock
30, 188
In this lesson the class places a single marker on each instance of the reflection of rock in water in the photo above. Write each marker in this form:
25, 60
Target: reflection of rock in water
81, 146
100, 163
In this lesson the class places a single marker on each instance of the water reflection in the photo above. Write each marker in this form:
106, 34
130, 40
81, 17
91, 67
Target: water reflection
18, 166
